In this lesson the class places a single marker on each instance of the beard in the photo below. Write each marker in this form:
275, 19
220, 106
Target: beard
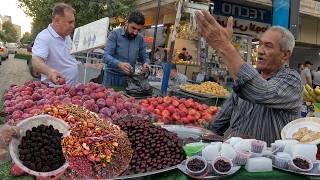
130, 35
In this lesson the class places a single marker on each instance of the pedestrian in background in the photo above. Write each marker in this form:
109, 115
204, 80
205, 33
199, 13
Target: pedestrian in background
306, 76
300, 68
316, 77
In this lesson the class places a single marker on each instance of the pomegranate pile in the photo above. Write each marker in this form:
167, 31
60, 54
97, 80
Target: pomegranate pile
21, 102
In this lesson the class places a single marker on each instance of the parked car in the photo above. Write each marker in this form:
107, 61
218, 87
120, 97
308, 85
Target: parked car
3, 52
12, 48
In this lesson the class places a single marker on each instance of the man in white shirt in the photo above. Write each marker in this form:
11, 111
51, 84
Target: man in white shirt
306, 77
316, 77
51, 50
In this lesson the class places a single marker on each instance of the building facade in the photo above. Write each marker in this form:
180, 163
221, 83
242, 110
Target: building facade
18, 29
6, 18
307, 42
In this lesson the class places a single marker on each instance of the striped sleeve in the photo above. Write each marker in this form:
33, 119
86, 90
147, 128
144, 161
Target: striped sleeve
222, 121
284, 91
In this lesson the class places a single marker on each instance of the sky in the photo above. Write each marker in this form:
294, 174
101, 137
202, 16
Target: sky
18, 17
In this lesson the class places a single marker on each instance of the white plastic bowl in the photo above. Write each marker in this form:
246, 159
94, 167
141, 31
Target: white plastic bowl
225, 159
28, 124
293, 167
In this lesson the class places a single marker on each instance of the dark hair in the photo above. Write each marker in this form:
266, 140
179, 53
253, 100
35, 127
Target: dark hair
59, 8
299, 65
319, 68
184, 49
308, 62
136, 17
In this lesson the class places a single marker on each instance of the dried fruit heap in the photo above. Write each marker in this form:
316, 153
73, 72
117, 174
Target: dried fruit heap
40, 149
93, 144
210, 88
154, 147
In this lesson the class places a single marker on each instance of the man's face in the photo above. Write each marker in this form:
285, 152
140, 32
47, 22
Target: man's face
270, 56
65, 23
133, 30
173, 73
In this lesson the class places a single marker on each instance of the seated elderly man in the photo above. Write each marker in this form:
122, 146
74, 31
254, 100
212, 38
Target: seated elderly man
264, 100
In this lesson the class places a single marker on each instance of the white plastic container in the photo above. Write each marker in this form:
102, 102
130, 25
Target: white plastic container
234, 140
288, 145
306, 150
201, 172
259, 164
293, 167
224, 159
244, 145
28, 124
211, 152
228, 151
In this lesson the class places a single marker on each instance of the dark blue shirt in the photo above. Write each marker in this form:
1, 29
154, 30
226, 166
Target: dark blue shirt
120, 49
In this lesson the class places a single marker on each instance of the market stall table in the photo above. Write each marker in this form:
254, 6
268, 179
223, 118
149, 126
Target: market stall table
177, 175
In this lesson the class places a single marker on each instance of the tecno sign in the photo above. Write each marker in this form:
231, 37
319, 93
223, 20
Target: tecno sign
245, 12
241, 12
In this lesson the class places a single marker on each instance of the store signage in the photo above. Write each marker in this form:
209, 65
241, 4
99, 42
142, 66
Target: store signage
246, 27
90, 36
239, 11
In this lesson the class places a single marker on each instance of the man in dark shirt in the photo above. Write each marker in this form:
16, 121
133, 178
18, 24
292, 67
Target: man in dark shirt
123, 47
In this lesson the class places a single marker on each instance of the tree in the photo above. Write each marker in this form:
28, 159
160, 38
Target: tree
9, 32
86, 11
26, 38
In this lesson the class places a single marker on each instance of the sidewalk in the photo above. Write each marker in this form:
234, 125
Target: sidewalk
13, 71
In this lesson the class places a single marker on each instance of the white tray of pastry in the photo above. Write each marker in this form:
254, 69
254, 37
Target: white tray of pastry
305, 130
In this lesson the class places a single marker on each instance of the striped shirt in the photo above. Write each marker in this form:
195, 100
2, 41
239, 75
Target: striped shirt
260, 108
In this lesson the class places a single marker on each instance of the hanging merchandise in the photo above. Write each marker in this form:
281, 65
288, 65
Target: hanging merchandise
186, 32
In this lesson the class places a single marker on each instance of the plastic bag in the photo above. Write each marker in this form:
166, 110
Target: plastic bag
138, 85
6, 134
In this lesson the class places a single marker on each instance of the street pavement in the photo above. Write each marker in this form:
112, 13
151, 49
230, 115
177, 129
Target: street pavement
13, 71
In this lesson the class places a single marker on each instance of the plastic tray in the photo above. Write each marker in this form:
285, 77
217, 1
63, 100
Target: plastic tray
28, 124
146, 174
203, 94
295, 172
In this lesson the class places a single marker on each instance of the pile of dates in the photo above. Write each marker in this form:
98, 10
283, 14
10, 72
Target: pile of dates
153, 147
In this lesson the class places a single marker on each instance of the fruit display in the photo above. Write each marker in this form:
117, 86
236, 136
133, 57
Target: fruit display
171, 110
40, 149
24, 101
310, 94
207, 88
95, 148
153, 147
